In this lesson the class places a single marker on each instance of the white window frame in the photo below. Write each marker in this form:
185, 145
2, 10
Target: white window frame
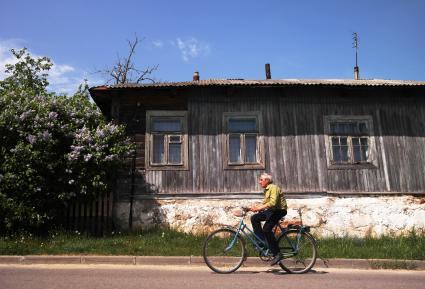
371, 162
166, 114
259, 164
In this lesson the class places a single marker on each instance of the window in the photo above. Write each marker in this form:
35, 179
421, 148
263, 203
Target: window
243, 141
350, 141
166, 140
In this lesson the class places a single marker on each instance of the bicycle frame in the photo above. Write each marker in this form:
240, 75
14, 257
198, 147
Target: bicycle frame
242, 228
255, 240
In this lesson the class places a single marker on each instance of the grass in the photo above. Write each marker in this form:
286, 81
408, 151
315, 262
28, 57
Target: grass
164, 242
150, 243
394, 265
409, 247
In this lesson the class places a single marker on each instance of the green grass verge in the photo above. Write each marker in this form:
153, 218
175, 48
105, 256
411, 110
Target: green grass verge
163, 242
409, 247
150, 243
394, 264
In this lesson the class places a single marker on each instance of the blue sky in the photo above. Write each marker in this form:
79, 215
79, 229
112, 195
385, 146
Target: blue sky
308, 39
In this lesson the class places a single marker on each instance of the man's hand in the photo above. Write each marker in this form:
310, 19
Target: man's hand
253, 209
258, 208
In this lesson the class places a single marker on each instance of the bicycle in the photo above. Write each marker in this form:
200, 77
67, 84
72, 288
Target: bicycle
224, 250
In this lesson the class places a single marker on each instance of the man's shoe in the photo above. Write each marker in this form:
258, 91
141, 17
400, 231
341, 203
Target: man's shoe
276, 259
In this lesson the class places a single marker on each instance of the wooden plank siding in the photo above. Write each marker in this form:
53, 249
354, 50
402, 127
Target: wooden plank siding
294, 140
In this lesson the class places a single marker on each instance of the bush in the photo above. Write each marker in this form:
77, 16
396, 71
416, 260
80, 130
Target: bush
53, 149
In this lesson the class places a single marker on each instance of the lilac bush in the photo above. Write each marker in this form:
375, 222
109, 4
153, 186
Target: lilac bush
53, 150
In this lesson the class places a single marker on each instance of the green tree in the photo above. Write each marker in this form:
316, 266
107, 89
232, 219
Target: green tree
53, 148
28, 75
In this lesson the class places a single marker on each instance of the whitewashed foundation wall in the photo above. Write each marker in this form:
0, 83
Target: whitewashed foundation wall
328, 216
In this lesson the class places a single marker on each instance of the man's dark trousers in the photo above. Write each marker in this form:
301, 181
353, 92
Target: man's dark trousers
271, 218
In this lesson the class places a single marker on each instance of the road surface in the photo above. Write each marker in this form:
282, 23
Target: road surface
188, 277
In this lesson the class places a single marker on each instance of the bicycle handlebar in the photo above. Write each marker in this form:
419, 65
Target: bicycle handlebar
242, 212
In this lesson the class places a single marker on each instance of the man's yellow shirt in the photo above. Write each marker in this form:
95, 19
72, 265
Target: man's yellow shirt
274, 197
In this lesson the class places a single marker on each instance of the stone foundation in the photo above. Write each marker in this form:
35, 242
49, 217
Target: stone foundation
328, 216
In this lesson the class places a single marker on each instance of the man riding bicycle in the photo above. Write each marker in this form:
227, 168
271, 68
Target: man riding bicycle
272, 209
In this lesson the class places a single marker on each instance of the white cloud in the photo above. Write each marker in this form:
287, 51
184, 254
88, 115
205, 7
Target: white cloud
158, 43
63, 78
192, 48
6, 56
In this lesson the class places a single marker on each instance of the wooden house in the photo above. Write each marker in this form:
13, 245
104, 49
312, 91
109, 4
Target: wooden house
213, 138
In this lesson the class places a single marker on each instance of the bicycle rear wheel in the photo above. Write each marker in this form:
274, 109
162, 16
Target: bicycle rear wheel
224, 251
301, 260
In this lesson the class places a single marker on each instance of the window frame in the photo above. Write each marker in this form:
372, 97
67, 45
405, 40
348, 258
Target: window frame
150, 133
371, 162
259, 153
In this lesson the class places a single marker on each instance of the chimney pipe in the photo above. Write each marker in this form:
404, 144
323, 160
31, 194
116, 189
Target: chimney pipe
268, 73
356, 73
196, 76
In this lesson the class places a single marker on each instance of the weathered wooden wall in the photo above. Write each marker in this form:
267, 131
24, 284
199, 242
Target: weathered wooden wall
293, 120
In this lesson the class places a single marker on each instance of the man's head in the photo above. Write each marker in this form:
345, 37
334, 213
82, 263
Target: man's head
265, 180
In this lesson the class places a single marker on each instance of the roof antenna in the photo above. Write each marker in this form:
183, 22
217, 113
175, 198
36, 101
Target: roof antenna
356, 46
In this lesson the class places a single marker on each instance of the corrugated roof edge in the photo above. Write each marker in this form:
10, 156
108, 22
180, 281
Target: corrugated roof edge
268, 82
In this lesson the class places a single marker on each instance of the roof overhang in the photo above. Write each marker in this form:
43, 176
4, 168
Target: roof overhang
103, 95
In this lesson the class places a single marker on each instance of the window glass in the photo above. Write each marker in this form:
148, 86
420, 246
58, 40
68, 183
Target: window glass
365, 153
350, 140
336, 154
244, 143
234, 149
164, 125
242, 125
167, 141
340, 149
332, 127
344, 153
175, 139
363, 129
348, 128
343, 128
174, 154
357, 154
250, 148
158, 149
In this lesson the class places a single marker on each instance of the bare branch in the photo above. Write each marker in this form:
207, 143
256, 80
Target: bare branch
124, 69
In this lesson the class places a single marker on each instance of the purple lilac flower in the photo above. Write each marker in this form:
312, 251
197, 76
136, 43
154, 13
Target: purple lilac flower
100, 133
109, 157
46, 135
31, 139
26, 114
53, 115
77, 148
73, 156
87, 157
111, 128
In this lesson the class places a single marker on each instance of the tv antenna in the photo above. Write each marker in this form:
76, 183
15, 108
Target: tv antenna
356, 47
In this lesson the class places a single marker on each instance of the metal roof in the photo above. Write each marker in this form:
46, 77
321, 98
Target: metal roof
269, 82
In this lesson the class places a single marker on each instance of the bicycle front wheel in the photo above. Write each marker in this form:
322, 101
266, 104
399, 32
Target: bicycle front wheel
224, 251
299, 251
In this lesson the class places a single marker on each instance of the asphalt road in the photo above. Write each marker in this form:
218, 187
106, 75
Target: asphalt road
187, 277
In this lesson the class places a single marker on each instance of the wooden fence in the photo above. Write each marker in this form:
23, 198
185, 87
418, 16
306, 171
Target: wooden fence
91, 218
